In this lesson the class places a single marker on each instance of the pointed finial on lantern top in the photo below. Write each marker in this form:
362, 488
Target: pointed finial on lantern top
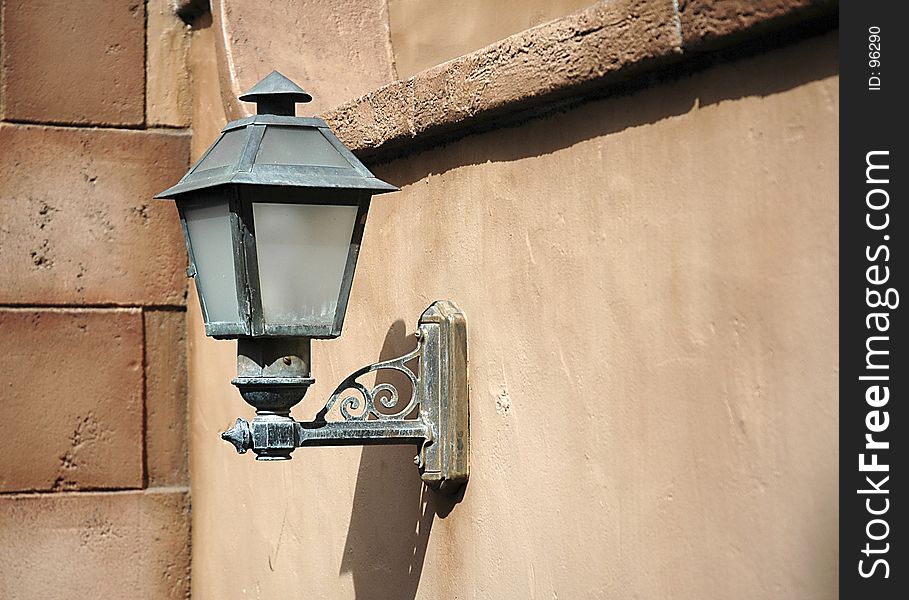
276, 95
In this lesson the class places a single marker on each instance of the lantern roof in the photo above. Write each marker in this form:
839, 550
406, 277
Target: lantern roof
276, 148
275, 85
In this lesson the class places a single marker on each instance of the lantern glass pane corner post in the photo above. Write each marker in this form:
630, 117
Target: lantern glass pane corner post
273, 215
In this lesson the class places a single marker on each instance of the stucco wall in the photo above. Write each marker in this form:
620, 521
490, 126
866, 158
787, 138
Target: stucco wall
424, 34
650, 283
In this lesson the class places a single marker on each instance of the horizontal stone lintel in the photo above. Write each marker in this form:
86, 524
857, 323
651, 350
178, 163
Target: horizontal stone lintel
579, 55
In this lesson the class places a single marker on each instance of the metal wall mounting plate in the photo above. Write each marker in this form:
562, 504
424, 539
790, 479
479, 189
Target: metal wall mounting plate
445, 461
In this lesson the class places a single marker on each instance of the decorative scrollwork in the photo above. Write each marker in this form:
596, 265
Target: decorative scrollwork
363, 403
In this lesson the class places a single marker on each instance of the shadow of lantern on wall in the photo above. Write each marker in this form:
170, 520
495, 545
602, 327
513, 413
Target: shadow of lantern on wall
273, 215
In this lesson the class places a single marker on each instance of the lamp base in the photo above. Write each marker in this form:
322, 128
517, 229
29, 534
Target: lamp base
273, 395
272, 376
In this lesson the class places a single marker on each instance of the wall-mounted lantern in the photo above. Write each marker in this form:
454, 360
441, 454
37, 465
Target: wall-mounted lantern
273, 215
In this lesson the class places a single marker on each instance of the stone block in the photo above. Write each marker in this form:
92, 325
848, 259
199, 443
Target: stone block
71, 399
79, 225
95, 545
374, 119
167, 92
165, 397
709, 21
602, 45
74, 62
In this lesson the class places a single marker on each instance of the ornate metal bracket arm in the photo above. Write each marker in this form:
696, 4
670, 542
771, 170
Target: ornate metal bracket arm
436, 418
368, 397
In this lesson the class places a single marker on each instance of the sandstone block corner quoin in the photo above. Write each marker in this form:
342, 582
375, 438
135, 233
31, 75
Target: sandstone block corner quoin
79, 225
84, 397
167, 89
94, 111
95, 545
165, 400
74, 62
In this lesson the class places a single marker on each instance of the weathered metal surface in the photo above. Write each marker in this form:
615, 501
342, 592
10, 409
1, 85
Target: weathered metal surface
356, 433
238, 241
276, 95
239, 436
275, 107
273, 357
235, 175
444, 397
273, 374
273, 437
436, 418
368, 396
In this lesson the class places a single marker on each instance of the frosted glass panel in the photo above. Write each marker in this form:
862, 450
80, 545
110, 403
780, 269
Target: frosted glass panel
209, 236
226, 151
302, 251
298, 146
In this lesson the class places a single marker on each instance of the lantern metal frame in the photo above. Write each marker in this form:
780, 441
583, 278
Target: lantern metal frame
274, 359
243, 177
246, 263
